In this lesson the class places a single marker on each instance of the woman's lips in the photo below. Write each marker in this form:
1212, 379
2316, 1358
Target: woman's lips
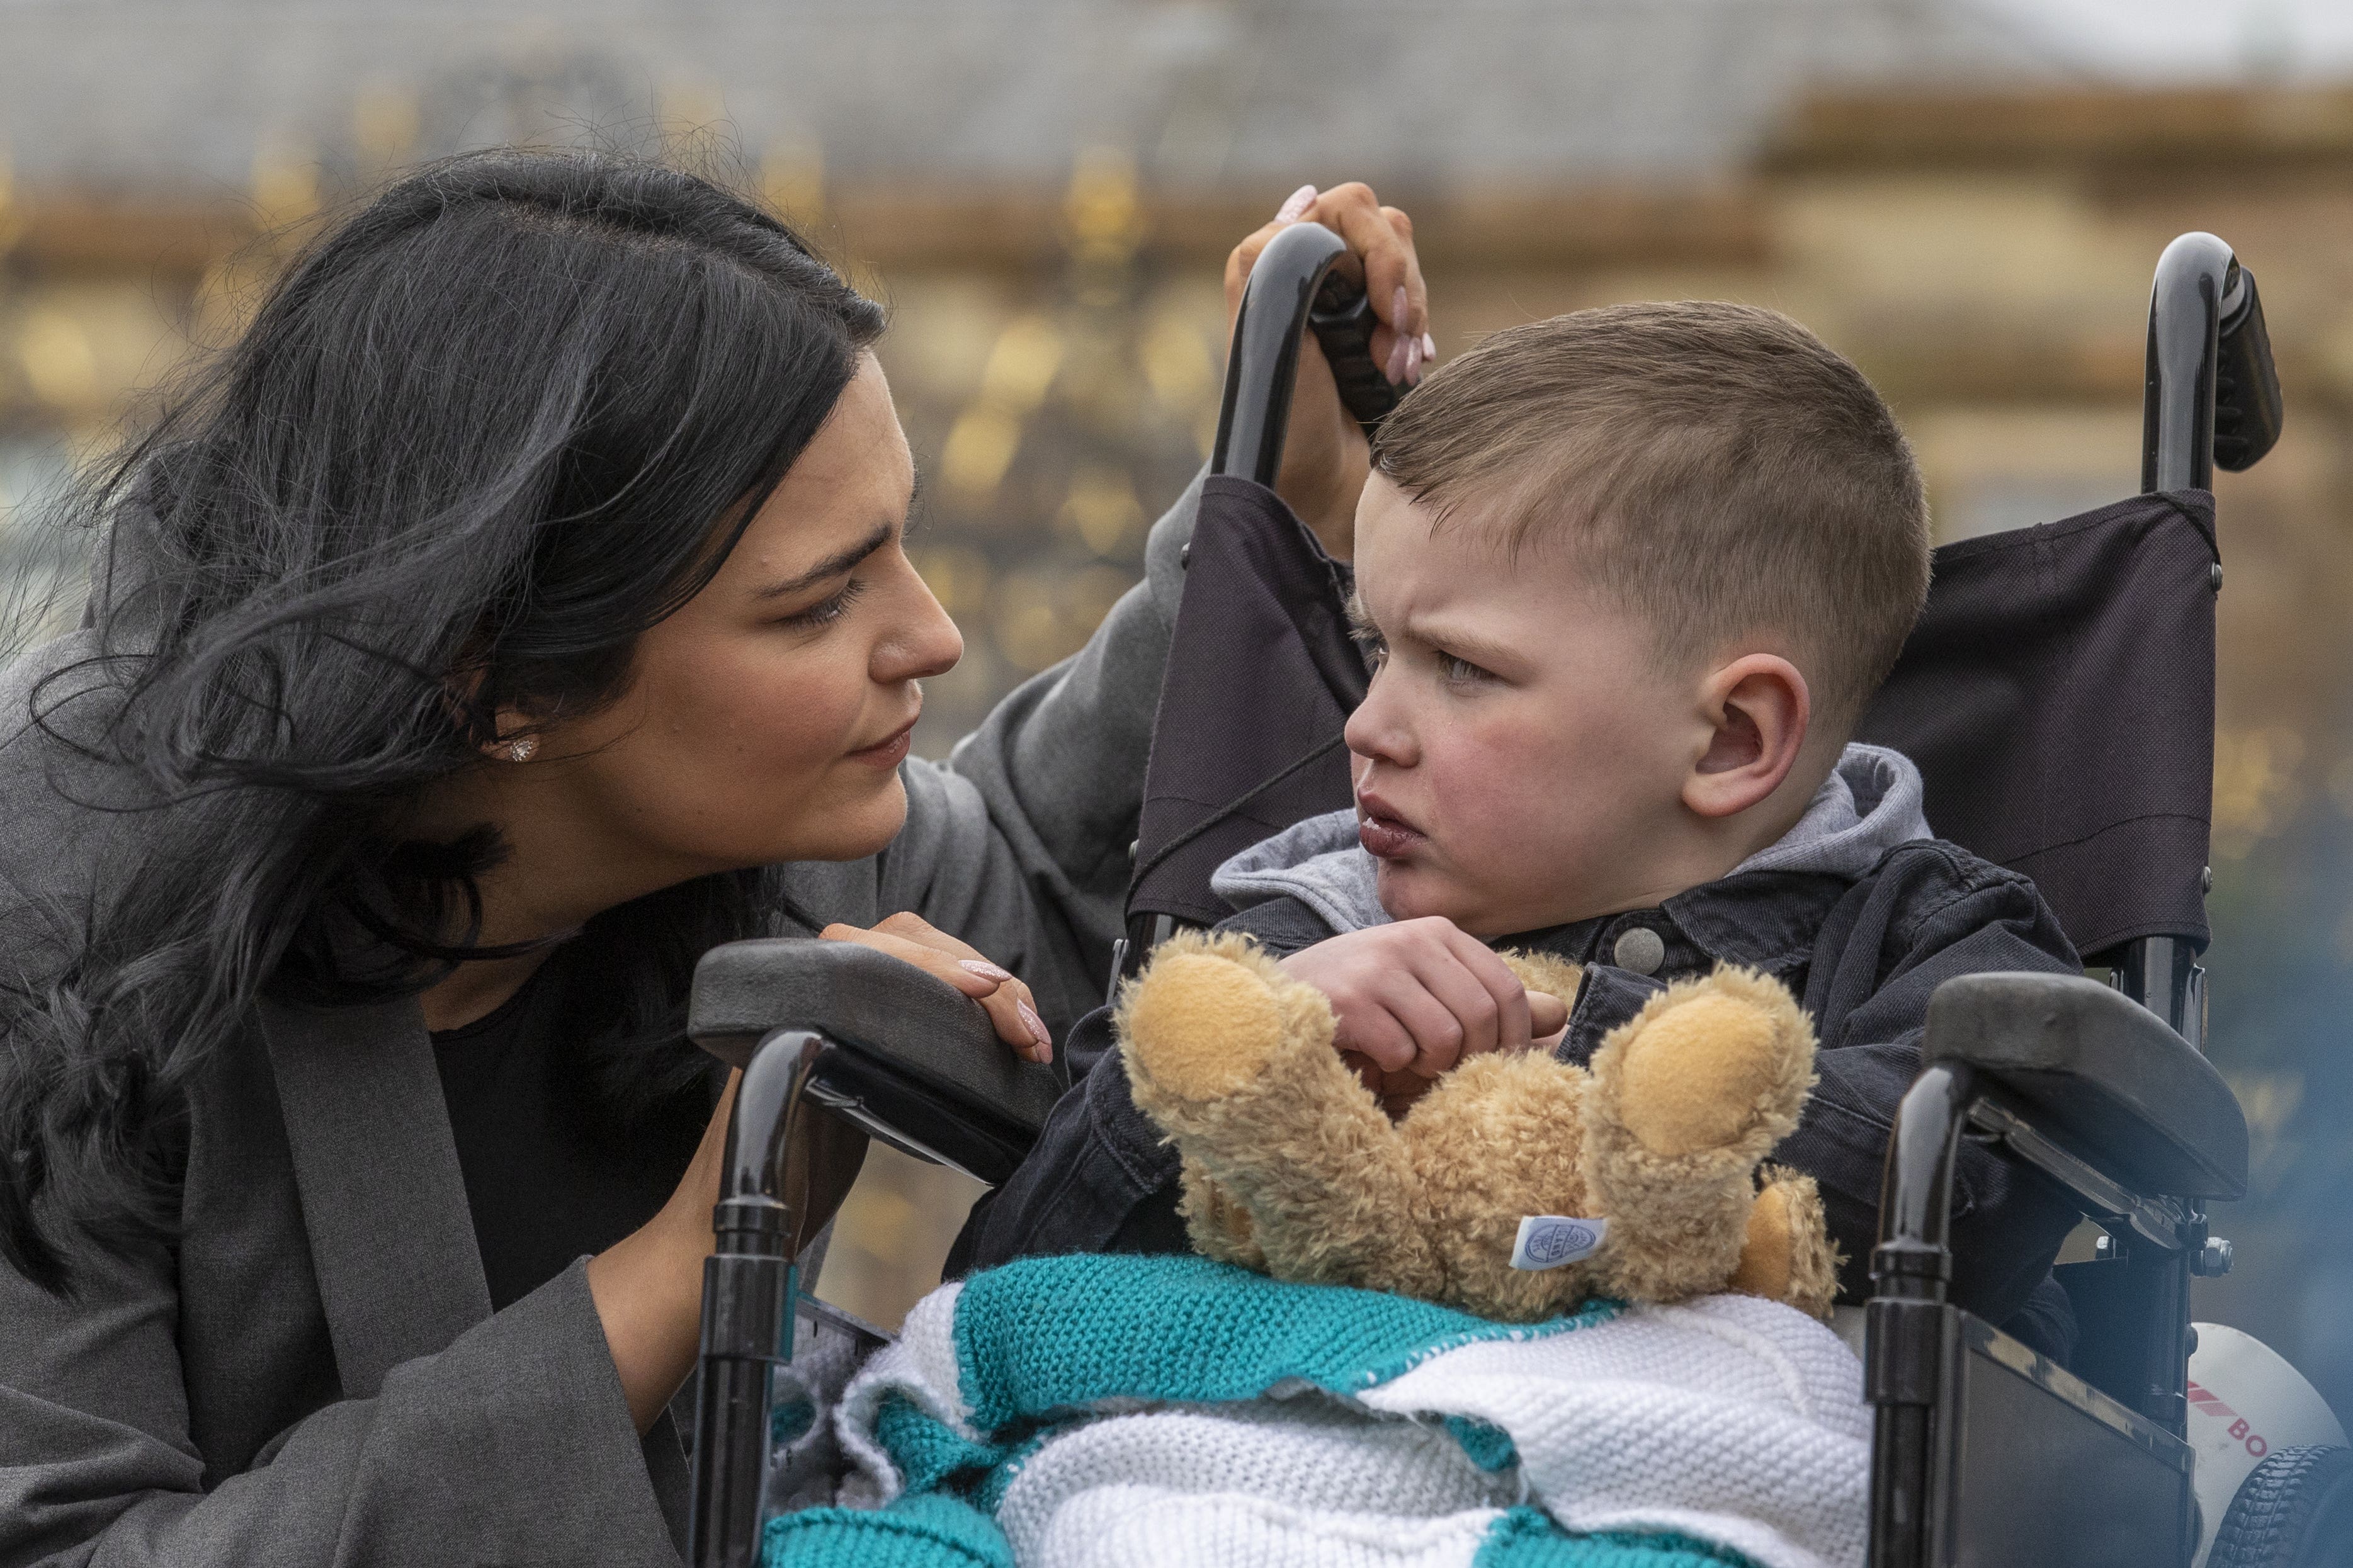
888, 753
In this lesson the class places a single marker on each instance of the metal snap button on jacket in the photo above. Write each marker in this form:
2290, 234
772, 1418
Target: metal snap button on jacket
1639, 949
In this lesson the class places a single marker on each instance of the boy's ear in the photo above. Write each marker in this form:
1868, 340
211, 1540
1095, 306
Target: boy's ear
1757, 706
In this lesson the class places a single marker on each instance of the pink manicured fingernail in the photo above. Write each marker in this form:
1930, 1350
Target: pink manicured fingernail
985, 969
1394, 369
1298, 202
1429, 348
1037, 1026
1413, 361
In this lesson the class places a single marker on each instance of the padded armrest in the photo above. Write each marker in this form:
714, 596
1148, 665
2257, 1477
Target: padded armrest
889, 1014
2102, 1074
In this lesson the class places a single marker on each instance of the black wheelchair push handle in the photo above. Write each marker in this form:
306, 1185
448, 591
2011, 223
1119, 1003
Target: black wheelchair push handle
2212, 393
1291, 289
2248, 410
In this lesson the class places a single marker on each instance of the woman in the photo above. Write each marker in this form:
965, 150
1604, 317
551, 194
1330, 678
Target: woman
516, 611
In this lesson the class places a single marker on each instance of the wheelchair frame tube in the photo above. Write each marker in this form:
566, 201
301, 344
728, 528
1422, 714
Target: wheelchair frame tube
1261, 370
747, 1296
2199, 284
1263, 361
2185, 321
1903, 1343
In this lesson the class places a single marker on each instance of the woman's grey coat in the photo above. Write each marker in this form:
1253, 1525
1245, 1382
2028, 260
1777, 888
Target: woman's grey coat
310, 1374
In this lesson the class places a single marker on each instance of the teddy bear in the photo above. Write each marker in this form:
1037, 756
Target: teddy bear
1519, 1185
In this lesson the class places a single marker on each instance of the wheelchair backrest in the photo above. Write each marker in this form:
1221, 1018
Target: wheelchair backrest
2058, 695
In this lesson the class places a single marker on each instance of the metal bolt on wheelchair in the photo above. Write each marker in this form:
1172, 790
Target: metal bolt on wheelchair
2085, 645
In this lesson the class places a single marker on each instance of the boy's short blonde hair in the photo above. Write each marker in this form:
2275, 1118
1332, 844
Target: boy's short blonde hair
1715, 467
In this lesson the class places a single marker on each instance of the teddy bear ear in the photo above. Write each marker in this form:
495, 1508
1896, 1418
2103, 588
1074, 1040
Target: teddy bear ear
1543, 972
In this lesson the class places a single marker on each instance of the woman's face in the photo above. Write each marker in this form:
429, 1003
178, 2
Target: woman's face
766, 719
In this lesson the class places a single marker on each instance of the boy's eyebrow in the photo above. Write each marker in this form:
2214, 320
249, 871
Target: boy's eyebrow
1461, 641
1360, 619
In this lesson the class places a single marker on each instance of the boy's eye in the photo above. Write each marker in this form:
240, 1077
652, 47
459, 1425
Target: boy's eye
826, 611
1461, 671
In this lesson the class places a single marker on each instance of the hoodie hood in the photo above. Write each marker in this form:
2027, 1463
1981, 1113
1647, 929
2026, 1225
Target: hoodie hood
1871, 802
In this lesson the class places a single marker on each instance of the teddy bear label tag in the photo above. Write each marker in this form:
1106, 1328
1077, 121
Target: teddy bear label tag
1550, 1240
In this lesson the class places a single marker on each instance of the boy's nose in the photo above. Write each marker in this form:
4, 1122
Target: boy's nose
1377, 730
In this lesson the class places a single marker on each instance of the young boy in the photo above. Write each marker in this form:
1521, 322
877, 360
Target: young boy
1630, 576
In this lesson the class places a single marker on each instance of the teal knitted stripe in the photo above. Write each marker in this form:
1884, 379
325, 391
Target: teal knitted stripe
1486, 1445
1527, 1538
926, 1531
927, 1452
934, 1458
1057, 1333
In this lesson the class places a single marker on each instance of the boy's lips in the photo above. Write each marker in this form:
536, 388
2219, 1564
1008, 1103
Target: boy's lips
1384, 834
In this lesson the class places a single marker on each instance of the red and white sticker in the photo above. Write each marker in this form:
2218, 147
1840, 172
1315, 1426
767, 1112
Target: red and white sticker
2207, 1403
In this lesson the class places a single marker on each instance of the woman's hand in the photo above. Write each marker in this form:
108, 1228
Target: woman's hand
648, 1285
1007, 1001
1325, 458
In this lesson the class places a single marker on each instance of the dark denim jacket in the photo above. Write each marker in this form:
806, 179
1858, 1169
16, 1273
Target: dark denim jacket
1862, 958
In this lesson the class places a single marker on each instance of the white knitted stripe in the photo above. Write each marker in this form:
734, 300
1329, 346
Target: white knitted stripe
1306, 1456
922, 1365
1732, 1419
1141, 1526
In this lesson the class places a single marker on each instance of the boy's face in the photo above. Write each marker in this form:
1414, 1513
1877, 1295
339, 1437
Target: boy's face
1520, 758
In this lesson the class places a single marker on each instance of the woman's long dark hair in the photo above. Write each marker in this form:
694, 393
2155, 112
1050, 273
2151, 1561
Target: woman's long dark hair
476, 439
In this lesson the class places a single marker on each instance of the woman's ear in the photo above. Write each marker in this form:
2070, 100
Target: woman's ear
514, 736
1757, 708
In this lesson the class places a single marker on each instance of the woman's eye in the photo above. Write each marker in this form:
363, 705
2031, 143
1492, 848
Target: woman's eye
826, 611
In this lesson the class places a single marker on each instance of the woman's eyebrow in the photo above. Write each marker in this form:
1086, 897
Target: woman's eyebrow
833, 566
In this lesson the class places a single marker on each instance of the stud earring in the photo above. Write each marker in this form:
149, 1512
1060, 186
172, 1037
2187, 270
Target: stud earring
524, 750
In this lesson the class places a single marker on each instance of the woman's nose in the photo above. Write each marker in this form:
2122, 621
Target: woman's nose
923, 643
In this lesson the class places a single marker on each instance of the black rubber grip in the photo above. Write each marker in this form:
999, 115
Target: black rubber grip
1343, 321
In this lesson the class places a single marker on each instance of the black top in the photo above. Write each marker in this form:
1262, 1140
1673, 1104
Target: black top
548, 1177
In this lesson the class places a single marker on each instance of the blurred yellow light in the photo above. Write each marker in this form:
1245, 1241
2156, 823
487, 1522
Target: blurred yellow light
1101, 510
59, 361
1177, 365
980, 447
1023, 365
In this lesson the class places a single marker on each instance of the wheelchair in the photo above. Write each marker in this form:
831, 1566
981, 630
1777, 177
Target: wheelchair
2058, 696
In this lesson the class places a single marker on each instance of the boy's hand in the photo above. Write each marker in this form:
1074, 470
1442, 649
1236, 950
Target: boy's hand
1414, 998
1325, 458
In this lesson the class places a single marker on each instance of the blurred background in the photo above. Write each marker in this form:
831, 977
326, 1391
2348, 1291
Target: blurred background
1966, 196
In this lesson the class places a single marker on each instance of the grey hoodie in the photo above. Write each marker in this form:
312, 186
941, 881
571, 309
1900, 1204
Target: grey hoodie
1870, 803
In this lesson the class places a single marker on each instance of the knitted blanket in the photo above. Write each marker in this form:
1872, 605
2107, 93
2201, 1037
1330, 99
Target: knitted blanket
1093, 1410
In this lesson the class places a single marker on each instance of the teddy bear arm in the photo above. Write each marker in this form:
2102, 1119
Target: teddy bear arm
1687, 1098
1314, 1174
1233, 1060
